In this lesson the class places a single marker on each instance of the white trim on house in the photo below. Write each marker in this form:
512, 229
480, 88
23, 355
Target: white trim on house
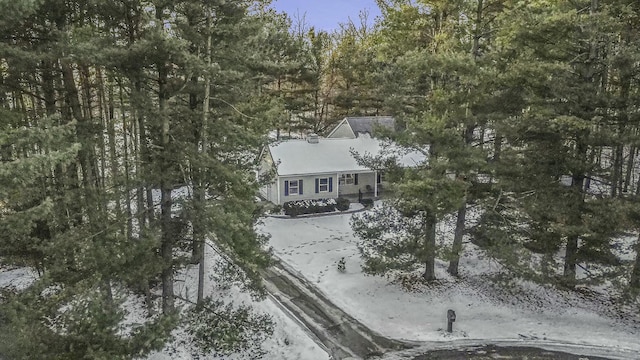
375, 183
343, 124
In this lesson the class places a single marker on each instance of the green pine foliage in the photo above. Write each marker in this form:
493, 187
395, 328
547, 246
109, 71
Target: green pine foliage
102, 106
29, 157
527, 112
553, 68
437, 95
222, 329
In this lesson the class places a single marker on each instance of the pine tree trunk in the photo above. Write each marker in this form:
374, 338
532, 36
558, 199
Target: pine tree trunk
167, 240
145, 210
629, 169
475, 52
458, 234
592, 157
617, 170
90, 178
575, 217
99, 173
143, 160
430, 248
48, 88
200, 198
625, 88
49, 96
126, 163
71, 177
107, 112
83, 131
497, 146
569, 258
634, 280
576, 206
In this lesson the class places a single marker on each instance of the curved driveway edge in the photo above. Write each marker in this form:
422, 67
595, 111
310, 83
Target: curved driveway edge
344, 337
336, 331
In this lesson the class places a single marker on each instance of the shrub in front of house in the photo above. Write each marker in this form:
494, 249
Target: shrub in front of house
343, 204
367, 203
302, 207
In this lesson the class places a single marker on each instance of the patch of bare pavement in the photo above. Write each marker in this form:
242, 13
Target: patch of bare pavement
492, 352
344, 337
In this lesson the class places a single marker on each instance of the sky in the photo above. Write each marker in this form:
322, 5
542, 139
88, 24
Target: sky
327, 14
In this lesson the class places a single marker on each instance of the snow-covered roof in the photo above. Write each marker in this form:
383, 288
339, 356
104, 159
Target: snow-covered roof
298, 157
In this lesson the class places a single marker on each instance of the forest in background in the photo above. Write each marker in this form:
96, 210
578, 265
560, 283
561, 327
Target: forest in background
528, 111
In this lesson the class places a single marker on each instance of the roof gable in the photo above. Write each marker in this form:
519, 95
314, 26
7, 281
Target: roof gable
367, 124
352, 127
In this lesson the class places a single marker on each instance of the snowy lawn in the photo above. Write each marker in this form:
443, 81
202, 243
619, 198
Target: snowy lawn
526, 313
16, 278
289, 341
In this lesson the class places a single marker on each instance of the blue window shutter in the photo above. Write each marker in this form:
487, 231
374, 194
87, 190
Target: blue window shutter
286, 188
317, 185
355, 179
331, 184
300, 186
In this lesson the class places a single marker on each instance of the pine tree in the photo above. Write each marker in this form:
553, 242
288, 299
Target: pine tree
111, 63
555, 70
438, 96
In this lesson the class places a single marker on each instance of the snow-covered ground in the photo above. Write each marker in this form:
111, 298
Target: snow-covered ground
289, 340
17, 278
525, 313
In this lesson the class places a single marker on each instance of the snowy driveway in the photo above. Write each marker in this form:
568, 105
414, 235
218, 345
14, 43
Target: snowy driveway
313, 246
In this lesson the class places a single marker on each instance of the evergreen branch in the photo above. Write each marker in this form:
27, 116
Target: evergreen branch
497, 201
224, 256
586, 270
209, 309
236, 109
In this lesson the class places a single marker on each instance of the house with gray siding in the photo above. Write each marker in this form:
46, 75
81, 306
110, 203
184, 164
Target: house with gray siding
322, 168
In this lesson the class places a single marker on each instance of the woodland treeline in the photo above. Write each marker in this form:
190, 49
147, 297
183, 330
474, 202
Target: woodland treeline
129, 131
528, 112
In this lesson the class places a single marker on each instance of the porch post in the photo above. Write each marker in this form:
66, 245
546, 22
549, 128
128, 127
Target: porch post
278, 188
375, 183
337, 185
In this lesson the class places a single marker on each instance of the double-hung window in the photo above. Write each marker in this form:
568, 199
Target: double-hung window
323, 184
292, 187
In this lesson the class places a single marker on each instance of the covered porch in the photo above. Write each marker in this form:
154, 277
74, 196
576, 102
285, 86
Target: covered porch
359, 185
